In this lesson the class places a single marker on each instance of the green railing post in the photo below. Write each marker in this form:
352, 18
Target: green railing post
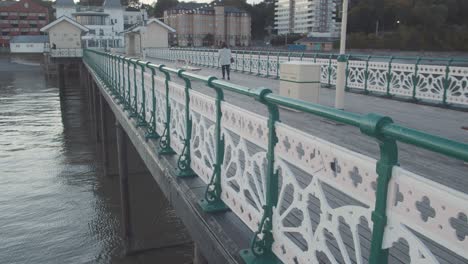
142, 114
112, 73
152, 133
329, 69
212, 202
243, 61
128, 102
258, 64
134, 104
250, 63
165, 141
277, 65
261, 247
184, 161
268, 65
122, 91
236, 63
347, 73
447, 82
119, 78
372, 125
366, 76
389, 76
415, 79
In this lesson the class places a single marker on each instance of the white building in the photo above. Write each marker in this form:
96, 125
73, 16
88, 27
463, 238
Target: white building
155, 34
65, 33
105, 23
28, 44
313, 17
133, 16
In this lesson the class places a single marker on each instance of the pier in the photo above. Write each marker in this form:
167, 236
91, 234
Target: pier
255, 183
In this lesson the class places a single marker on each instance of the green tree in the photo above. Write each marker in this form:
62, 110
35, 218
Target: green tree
163, 5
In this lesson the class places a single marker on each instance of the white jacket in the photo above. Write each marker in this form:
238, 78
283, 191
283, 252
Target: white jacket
224, 56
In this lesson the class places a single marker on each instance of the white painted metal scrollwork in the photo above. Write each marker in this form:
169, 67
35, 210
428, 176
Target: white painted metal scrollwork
313, 206
417, 205
177, 103
243, 169
203, 134
457, 91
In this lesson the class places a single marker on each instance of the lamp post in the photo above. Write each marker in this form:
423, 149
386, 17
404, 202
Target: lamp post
341, 61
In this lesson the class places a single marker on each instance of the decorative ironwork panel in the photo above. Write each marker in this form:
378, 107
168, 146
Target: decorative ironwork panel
430, 82
325, 201
160, 92
243, 170
264, 61
457, 91
377, 80
401, 81
203, 113
177, 103
324, 70
418, 207
356, 74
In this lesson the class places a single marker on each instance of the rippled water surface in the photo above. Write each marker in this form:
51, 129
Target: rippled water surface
53, 206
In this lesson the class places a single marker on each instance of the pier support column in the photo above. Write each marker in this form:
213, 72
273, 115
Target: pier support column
124, 193
61, 73
198, 257
105, 153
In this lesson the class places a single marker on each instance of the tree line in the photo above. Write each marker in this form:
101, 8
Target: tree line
409, 24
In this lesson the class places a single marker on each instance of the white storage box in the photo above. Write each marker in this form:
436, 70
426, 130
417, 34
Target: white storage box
300, 80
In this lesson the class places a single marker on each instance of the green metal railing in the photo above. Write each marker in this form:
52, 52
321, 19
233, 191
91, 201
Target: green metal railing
375, 74
380, 128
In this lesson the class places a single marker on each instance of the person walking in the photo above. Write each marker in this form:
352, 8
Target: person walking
224, 59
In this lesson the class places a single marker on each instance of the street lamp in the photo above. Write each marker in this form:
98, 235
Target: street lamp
341, 61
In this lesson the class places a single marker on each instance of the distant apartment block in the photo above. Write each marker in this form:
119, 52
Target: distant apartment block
23, 17
197, 25
312, 17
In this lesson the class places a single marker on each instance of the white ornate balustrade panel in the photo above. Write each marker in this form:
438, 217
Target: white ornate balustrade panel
254, 63
131, 85
263, 65
356, 74
324, 70
437, 212
203, 153
430, 82
377, 79
237, 61
177, 103
333, 69
148, 77
139, 90
273, 68
324, 188
120, 81
401, 82
160, 93
457, 91
243, 169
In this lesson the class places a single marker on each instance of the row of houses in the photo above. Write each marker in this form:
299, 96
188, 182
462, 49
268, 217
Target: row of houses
111, 26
